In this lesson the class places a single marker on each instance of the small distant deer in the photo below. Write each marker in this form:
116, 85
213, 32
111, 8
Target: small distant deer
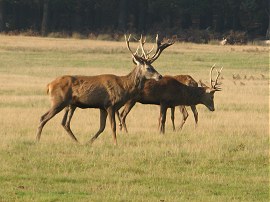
169, 92
107, 92
223, 42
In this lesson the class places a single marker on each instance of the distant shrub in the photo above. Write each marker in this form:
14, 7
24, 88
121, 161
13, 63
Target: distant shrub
106, 37
29, 32
194, 35
235, 37
58, 35
77, 35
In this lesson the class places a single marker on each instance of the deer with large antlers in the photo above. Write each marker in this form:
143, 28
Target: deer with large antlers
169, 92
189, 81
107, 92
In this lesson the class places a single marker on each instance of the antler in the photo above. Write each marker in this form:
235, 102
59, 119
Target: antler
135, 55
142, 42
146, 55
160, 48
216, 84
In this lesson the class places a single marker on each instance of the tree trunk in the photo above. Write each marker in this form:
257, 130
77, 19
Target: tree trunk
2, 24
122, 17
44, 25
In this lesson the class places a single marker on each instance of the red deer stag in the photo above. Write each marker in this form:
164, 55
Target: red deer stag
189, 81
184, 79
169, 92
107, 92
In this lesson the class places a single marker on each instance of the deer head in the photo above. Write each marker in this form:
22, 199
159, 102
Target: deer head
144, 61
208, 96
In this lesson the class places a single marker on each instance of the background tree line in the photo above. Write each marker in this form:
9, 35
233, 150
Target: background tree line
141, 16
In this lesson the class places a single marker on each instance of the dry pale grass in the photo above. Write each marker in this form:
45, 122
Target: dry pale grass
23, 42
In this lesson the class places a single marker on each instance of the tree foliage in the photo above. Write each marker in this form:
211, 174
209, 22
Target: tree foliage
144, 16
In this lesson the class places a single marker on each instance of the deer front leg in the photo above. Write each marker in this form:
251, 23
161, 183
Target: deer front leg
163, 111
172, 117
119, 119
103, 116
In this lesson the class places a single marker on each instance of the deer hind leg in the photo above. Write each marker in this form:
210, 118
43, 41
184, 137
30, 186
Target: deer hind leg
103, 116
66, 121
195, 113
163, 111
184, 112
47, 116
172, 117
128, 106
111, 113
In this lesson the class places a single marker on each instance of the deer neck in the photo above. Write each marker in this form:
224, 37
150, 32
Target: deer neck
134, 81
195, 95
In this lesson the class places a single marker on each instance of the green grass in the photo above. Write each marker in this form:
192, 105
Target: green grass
226, 158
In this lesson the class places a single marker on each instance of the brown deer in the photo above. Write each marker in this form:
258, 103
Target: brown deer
169, 92
107, 92
184, 79
189, 81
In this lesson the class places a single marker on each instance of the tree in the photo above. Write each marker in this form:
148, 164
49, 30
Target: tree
2, 24
44, 25
122, 17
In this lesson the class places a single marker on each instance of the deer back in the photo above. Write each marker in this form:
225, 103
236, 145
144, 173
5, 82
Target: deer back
187, 80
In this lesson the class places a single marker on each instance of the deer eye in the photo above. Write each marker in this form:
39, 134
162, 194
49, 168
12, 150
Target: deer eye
150, 69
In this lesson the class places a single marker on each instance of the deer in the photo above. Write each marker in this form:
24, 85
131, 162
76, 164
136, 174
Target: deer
223, 42
169, 93
189, 81
106, 92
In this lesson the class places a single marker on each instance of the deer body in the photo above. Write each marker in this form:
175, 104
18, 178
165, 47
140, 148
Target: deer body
171, 92
93, 91
168, 93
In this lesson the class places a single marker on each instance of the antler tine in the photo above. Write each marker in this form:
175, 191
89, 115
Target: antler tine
158, 44
214, 83
160, 48
148, 52
142, 42
127, 42
216, 80
211, 72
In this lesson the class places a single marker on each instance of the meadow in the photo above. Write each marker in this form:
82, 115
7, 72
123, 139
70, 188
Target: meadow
226, 158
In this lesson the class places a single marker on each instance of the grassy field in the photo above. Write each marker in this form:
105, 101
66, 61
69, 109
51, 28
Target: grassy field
226, 158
